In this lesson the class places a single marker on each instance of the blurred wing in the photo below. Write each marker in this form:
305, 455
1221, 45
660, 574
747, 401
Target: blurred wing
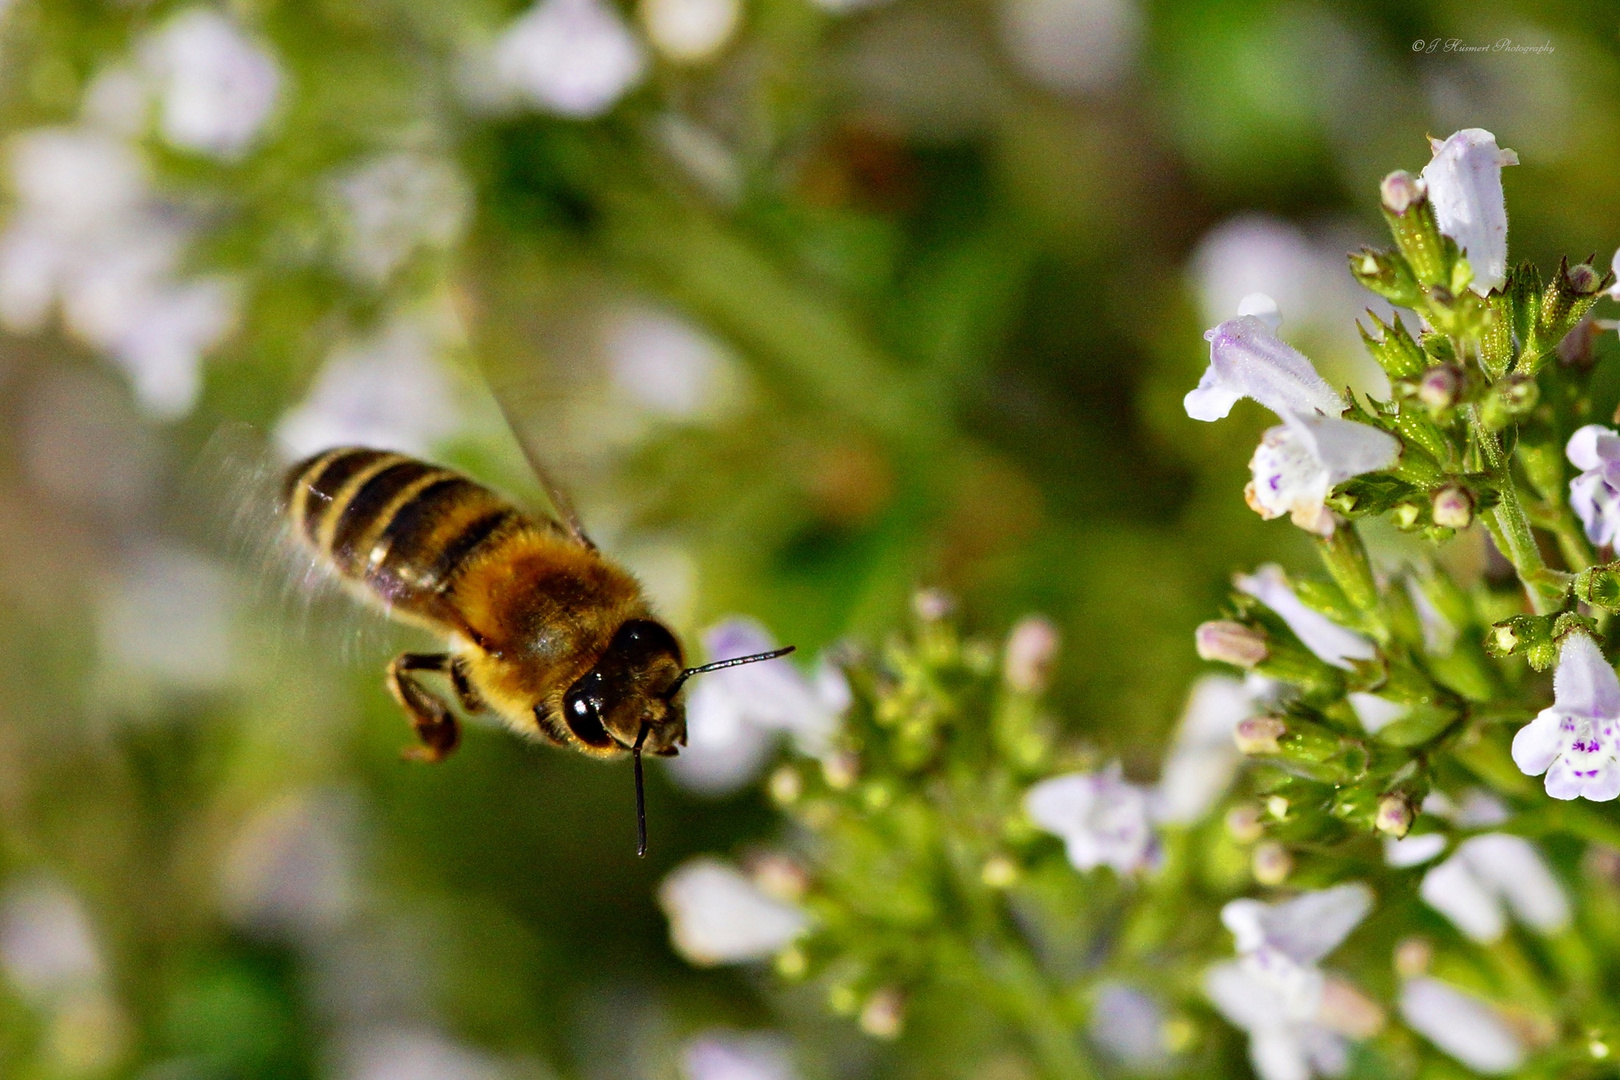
562, 507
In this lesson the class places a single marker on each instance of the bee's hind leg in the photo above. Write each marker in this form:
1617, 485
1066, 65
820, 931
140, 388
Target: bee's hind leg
435, 726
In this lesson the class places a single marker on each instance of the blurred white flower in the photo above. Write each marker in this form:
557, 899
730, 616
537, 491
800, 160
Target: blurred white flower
411, 1053
116, 101
216, 85
1465, 185
388, 392
1439, 635
394, 205
1128, 1025
1594, 495
730, 1055
575, 58
734, 716
1576, 739
690, 31
167, 616
1489, 876
1072, 45
1296, 1016
1101, 819
1026, 660
290, 868
47, 946
1413, 850
665, 365
1203, 758
1324, 637
1374, 712
1462, 1025
87, 233
718, 916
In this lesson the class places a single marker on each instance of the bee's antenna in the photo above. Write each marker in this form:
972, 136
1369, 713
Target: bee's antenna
641, 796
718, 664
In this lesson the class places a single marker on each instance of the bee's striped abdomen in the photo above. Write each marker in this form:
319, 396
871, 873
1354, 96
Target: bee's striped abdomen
398, 526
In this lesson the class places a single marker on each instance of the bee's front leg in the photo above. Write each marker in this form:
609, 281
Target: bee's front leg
435, 726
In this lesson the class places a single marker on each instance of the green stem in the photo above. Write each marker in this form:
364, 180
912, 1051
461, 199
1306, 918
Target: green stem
1510, 528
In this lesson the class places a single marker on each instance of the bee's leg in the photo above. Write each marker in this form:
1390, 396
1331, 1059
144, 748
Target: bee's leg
465, 693
435, 726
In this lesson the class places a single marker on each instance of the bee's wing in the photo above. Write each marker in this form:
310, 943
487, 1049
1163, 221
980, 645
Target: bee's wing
562, 506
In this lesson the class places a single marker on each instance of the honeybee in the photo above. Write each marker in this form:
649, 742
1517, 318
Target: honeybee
541, 628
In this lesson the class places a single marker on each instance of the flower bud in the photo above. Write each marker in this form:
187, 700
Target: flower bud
778, 876
1413, 224
1243, 823
1348, 1011
1576, 348
1599, 586
1271, 863
1413, 955
840, 769
785, 786
998, 872
1388, 275
1394, 349
1566, 300
1452, 507
1395, 815
1259, 735
791, 963
884, 1014
1031, 648
1277, 806
1230, 642
1528, 635
1509, 399
1441, 386
932, 605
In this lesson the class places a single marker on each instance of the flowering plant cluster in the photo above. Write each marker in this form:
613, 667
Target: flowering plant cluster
1344, 855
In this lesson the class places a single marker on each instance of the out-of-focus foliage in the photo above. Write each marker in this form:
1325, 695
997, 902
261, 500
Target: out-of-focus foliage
809, 309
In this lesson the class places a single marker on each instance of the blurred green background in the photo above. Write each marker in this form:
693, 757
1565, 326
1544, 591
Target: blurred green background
820, 307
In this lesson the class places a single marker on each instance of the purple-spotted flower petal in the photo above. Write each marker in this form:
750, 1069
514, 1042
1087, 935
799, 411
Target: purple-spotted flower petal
1576, 739
1248, 360
1594, 495
1465, 186
1301, 460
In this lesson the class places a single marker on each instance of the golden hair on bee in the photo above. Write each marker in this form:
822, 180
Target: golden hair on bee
540, 627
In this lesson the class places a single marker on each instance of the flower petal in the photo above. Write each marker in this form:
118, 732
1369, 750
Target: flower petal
1304, 929
1462, 1025
1376, 713
717, 916
1614, 290
1593, 446
1265, 308
1452, 889
1465, 186
1324, 637
1539, 742
1346, 448
1247, 360
1584, 684
1201, 763
1513, 866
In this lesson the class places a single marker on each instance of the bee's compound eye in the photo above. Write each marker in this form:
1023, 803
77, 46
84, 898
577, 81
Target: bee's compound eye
583, 715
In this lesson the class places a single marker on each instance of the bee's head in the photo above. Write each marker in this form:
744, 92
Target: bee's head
626, 698
630, 698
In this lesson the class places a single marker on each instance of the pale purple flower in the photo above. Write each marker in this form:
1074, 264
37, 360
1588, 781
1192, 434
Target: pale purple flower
1413, 850
216, 85
413, 1053
718, 916
1489, 876
1248, 360
1128, 1024
1465, 185
1072, 46
1462, 1025
1575, 740
734, 717
1594, 495
575, 58
1320, 634
1286, 1040
392, 206
1300, 461
732, 1055
291, 869
1102, 820
1203, 758
47, 946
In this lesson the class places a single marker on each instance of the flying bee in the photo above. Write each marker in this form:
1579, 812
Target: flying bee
541, 628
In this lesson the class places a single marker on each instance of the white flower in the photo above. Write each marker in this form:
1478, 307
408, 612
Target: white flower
1576, 738
717, 916
1414, 850
216, 85
395, 205
1490, 875
1465, 185
665, 365
413, 1053
1614, 265
1203, 759
1594, 495
1439, 635
1460, 1024
1374, 712
1072, 46
167, 617
47, 947
735, 716
575, 58
1129, 1026
690, 31
730, 1055
1324, 637
1102, 819
1248, 360
387, 392
290, 869
1300, 461
1295, 1015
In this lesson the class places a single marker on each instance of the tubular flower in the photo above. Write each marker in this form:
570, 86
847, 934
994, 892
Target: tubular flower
718, 916
1301, 460
1576, 739
1248, 360
1102, 819
1594, 495
1490, 875
1320, 634
1462, 1025
1465, 185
